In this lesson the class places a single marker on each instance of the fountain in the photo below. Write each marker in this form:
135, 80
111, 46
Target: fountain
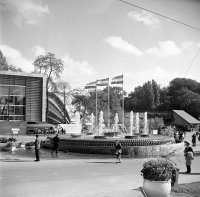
92, 119
101, 121
131, 135
115, 128
103, 140
131, 123
137, 124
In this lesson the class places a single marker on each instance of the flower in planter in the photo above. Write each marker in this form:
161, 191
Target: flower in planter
160, 169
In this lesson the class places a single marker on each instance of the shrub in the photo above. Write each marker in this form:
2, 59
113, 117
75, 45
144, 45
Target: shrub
159, 169
12, 139
3, 140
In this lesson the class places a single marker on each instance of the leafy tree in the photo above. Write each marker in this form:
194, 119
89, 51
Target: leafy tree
50, 66
184, 95
164, 100
146, 97
81, 102
178, 83
63, 90
5, 66
85, 103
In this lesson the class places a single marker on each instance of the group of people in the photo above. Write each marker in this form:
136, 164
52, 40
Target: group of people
188, 151
56, 141
194, 138
179, 136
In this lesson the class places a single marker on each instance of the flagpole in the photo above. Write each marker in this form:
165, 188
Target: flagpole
96, 107
108, 104
123, 101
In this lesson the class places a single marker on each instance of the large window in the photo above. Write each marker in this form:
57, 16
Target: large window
12, 102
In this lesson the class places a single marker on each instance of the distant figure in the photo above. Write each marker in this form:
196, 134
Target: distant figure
181, 138
56, 142
194, 139
189, 156
62, 131
176, 137
37, 148
118, 150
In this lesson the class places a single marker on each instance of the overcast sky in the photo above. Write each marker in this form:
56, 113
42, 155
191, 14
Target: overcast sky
104, 38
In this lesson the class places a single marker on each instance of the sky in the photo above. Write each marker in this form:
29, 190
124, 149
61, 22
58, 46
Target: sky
97, 39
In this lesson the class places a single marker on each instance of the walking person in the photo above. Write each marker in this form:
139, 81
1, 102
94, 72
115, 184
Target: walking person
118, 151
56, 141
37, 148
189, 156
194, 139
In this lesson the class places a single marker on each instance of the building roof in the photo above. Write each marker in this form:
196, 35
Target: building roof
187, 117
23, 74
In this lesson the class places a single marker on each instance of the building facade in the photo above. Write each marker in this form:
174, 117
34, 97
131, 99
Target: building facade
22, 100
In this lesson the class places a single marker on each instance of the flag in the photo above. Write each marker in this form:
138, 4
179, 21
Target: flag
117, 80
91, 85
103, 82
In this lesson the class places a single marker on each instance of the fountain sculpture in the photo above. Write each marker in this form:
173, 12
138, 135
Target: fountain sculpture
137, 124
145, 124
131, 123
101, 124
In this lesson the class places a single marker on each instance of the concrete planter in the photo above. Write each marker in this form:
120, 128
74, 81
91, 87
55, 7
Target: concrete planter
157, 188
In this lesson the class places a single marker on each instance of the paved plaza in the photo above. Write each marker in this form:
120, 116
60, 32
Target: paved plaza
77, 175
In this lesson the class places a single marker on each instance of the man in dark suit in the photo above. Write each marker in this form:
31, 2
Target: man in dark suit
56, 142
37, 148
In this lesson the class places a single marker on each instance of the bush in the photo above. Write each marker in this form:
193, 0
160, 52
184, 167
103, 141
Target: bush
12, 139
3, 140
159, 169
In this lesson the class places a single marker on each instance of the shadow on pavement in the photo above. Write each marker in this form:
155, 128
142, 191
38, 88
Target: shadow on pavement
104, 162
15, 160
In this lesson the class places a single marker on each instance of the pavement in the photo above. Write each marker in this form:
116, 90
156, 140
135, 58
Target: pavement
78, 175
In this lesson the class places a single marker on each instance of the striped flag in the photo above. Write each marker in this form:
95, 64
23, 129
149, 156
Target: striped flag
91, 85
103, 82
117, 80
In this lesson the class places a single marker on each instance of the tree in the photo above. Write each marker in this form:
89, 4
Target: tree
144, 98
51, 67
184, 95
81, 102
85, 102
5, 66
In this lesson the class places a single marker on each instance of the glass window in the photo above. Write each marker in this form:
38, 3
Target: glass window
19, 100
3, 100
17, 90
11, 100
3, 117
11, 110
19, 110
4, 90
19, 118
16, 117
4, 110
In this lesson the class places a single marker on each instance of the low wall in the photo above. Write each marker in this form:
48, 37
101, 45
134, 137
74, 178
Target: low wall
131, 148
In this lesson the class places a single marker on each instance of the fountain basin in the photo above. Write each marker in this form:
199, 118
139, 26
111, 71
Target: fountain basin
148, 147
131, 136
